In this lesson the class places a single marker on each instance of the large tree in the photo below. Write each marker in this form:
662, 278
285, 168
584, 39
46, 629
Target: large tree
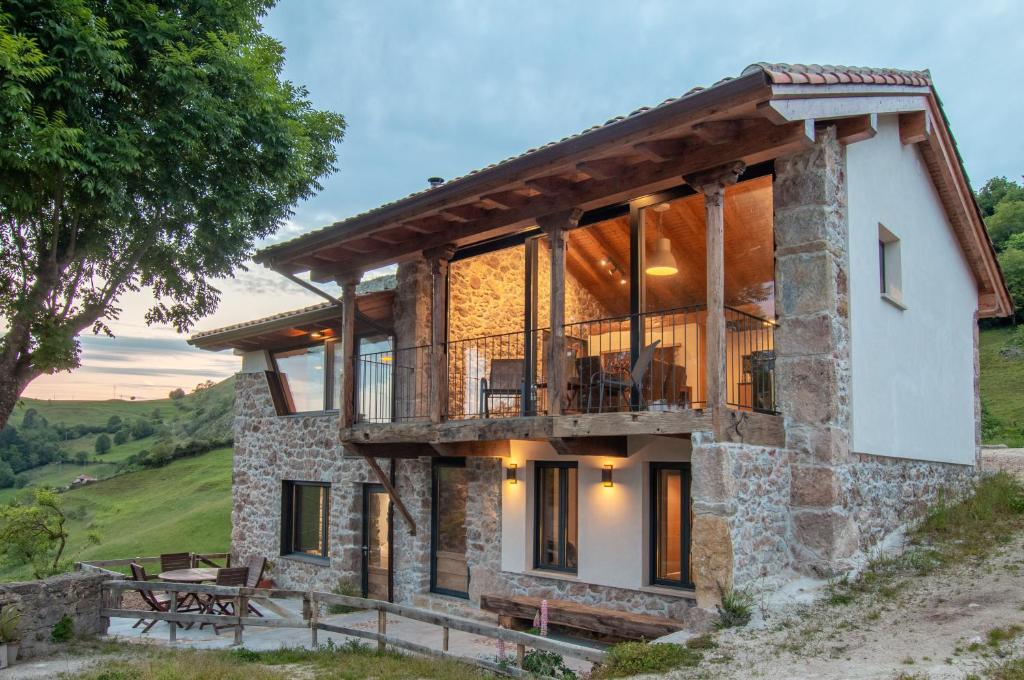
143, 143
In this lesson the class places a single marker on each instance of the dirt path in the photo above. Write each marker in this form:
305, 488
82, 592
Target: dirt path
933, 626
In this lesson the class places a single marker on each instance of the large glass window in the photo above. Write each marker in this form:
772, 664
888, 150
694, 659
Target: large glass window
304, 378
449, 573
305, 519
556, 517
670, 524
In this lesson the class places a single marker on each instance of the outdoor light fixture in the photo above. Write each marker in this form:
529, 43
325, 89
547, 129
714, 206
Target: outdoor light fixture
661, 262
316, 335
606, 475
511, 472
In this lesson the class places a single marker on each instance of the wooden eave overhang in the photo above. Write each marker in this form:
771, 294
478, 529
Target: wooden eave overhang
297, 328
765, 113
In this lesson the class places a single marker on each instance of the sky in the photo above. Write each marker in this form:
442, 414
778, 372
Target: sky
444, 87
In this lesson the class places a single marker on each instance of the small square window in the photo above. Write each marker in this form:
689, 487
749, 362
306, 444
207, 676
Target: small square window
889, 267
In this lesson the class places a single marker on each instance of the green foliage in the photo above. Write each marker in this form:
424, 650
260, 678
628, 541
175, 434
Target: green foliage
635, 658
144, 145
102, 444
995, 191
63, 630
736, 608
1006, 222
10, 617
33, 532
547, 664
113, 423
973, 526
1002, 374
176, 393
120, 437
142, 428
1011, 261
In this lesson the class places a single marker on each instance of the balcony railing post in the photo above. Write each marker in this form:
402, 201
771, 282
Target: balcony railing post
557, 226
439, 259
712, 184
346, 409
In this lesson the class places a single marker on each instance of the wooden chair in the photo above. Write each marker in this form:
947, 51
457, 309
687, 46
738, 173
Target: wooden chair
234, 577
506, 380
175, 561
158, 602
256, 565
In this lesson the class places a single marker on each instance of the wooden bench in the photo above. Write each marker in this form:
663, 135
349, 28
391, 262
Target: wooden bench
519, 612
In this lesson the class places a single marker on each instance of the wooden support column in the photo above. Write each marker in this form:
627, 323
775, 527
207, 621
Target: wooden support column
557, 226
712, 184
438, 258
347, 375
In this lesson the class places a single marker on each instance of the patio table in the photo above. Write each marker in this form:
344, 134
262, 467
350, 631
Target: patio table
196, 575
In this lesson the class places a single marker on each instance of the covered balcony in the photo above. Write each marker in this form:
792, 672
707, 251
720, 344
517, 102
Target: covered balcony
628, 289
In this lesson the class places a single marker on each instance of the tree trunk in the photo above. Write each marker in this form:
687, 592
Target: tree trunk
12, 384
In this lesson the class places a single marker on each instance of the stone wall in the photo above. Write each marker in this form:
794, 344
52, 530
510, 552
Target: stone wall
43, 603
488, 298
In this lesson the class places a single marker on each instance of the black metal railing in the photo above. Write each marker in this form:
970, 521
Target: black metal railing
393, 385
750, 361
506, 375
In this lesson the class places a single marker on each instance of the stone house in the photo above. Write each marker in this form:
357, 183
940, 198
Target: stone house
704, 345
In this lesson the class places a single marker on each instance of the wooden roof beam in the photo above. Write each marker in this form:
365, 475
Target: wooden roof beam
915, 127
854, 129
507, 200
602, 168
551, 184
760, 142
660, 150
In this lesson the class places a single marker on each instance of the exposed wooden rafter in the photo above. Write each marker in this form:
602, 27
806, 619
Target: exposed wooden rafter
386, 483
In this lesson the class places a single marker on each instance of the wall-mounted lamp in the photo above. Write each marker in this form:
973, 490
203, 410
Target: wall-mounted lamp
606, 475
512, 472
316, 335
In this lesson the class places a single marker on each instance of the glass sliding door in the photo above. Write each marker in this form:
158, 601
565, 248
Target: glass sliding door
449, 569
670, 524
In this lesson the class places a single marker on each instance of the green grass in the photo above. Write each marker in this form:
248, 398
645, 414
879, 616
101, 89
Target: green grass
1002, 389
184, 506
99, 412
345, 662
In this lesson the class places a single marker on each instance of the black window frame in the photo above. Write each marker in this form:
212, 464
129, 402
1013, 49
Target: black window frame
328, 396
288, 516
437, 464
563, 515
686, 580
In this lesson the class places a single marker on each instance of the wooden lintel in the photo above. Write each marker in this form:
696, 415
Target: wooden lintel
750, 427
498, 448
610, 446
389, 487
853, 129
915, 127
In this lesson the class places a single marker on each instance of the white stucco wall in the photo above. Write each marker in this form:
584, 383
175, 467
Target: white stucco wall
912, 369
613, 527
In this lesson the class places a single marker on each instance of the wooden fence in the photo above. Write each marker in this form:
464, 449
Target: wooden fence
310, 619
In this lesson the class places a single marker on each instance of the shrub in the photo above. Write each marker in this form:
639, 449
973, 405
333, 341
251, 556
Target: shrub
735, 609
547, 665
634, 658
63, 630
177, 393
141, 429
102, 444
113, 424
120, 437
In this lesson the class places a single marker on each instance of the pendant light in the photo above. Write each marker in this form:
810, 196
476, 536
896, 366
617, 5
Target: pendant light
661, 262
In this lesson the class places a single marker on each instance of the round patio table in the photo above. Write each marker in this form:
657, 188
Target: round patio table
197, 575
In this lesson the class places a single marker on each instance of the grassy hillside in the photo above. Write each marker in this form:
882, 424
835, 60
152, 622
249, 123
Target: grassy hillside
1002, 390
184, 506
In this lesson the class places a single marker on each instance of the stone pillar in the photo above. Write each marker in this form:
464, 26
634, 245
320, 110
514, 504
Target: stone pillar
813, 349
713, 492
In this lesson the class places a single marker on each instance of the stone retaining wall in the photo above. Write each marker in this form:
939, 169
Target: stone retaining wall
43, 603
